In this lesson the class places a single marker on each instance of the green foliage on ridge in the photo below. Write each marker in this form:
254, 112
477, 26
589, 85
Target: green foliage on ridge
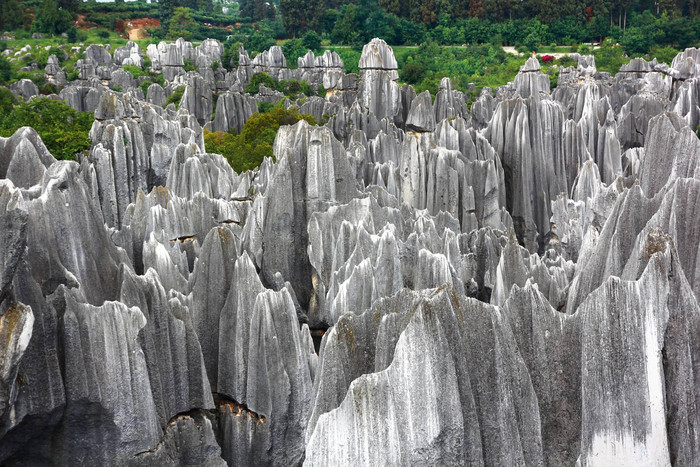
247, 150
63, 130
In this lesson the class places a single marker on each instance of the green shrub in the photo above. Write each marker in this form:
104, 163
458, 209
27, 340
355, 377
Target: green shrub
609, 57
176, 96
247, 150
523, 49
72, 34
311, 41
189, 65
144, 87
230, 56
663, 54
584, 49
7, 101
566, 61
532, 42
38, 78
72, 75
413, 72
5, 70
293, 49
260, 78
48, 88
63, 130
637, 40
135, 71
351, 59
264, 107
290, 88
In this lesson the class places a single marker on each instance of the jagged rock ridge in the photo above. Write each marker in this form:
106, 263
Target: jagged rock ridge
413, 282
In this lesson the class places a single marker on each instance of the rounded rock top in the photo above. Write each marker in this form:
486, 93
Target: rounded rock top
377, 54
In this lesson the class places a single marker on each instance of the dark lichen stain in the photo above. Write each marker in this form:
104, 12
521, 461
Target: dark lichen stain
346, 332
225, 405
183, 238
656, 242
9, 321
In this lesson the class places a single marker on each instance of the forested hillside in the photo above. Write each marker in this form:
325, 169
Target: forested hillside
637, 25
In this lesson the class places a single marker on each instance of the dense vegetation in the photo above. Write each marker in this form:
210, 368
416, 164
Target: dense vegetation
63, 130
290, 88
247, 150
638, 25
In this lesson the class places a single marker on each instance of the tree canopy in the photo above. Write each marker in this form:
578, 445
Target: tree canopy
247, 150
63, 130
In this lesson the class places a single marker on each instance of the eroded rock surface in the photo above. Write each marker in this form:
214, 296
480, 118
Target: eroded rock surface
412, 282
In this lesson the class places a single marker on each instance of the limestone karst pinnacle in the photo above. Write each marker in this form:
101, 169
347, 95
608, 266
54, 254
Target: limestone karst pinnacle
411, 283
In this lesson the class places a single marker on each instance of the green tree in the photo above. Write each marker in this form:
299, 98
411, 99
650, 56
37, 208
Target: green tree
63, 130
166, 8
256, 10
311, 40
293, 49
181, 24
477, 9
413, 72
328, 20
347, 28
246, 8
70, 5
12, 14
675, 31
7, 101
247, 150
260, 78
229, 59
299, 16
50, 19
293, 16
609, 57
5, 70
260, 41
636, 40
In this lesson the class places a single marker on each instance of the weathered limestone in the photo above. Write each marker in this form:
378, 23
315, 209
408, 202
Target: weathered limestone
130, 55
375, 419
512, 285
16, 325
379, 91
197, 99
233, 109
313, 172
24, 89
24, 158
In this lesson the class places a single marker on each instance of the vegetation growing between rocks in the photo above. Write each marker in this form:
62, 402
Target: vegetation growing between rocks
290, 88
247, 150
63, 130
176, 96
